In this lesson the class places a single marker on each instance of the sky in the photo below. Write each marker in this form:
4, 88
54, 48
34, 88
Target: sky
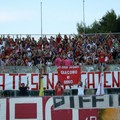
58, 16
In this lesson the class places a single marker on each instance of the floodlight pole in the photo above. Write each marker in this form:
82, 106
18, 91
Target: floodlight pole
84, 15
41, 18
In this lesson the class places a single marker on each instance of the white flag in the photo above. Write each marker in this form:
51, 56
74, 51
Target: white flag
100, 89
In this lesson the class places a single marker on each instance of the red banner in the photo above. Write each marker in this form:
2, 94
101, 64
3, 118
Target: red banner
41, 108
69, 75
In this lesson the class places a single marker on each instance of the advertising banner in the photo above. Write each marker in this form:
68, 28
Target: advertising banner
87, 102
41, 108
92, 79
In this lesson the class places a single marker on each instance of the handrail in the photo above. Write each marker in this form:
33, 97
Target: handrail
52, 69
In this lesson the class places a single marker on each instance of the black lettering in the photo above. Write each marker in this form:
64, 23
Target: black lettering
57, 104
71, 102
119, 99
110, 100
95, 100
81, 101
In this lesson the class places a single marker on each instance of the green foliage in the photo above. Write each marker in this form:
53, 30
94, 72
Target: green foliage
80, 27
108, 23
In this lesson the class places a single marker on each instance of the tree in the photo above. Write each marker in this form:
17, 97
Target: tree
108, 23
80, 27
118, 24
95, 27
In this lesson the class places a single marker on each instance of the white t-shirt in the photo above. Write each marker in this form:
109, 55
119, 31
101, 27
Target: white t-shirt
80, 90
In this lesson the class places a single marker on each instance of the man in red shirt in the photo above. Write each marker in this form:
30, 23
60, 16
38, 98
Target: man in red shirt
58, 89
101, 58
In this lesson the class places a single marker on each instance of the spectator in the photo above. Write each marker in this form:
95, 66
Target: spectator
2, 62
23, 89
80, 88
114, 54
29, 62
59, 89
59, 61
58, 38
85, 51
101, 59
68, 62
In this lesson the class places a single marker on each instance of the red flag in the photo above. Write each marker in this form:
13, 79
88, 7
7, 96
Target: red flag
69, 75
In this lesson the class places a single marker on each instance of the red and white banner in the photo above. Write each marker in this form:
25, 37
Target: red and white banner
40, 108
69, 75
11, 81
86, 102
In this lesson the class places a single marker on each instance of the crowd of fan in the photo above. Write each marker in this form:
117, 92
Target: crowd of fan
60, 50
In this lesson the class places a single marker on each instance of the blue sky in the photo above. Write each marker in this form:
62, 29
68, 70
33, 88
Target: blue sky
58, 16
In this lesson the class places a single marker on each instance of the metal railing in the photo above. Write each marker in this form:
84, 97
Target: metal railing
52, 69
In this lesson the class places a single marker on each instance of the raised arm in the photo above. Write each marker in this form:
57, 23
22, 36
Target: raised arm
27, 82
86, 83
20, 82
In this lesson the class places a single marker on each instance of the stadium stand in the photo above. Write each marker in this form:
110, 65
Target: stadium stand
93, 52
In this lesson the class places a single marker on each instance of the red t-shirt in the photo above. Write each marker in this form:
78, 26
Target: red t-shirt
8, 51
58, 90
109, 56
58, 40
39, 46
77, 53
101, 57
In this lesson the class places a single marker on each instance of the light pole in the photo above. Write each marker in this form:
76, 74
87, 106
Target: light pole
84, 15
41, 17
